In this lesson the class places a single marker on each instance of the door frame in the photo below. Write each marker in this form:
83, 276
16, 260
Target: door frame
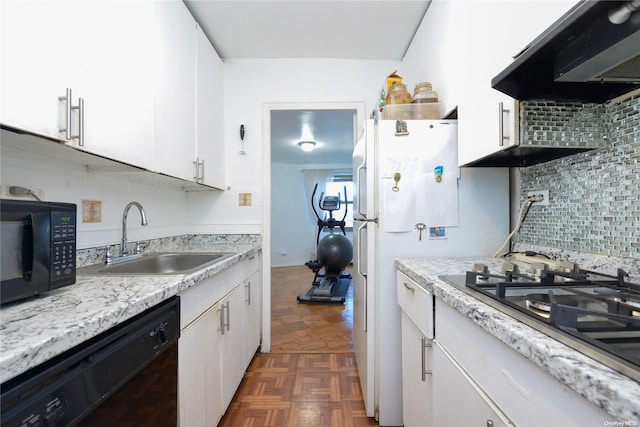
267, 108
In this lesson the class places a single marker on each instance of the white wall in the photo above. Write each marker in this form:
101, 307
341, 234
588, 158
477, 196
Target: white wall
251, 83
165, 207
293, 233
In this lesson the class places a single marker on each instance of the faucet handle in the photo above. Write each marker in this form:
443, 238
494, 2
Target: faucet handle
140, 247
108, 258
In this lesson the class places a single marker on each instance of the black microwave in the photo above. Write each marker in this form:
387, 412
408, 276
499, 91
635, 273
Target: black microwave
38, 251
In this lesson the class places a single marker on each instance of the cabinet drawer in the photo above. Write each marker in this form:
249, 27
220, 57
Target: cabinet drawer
251, 264
417, 302
200, 297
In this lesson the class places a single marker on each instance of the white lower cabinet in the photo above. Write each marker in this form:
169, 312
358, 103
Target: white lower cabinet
232, 333
252, 308
200, 374
416, 375
457, 399
217, 337
417, 339
477, 378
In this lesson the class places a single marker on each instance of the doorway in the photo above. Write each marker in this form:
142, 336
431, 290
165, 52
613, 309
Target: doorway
289, 231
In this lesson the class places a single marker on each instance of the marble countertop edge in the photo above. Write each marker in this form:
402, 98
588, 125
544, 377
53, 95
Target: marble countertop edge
34, 331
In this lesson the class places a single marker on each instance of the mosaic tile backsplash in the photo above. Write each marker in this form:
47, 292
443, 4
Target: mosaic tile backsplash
594, 196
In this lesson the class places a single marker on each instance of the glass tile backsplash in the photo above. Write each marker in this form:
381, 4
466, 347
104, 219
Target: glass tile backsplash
594, 196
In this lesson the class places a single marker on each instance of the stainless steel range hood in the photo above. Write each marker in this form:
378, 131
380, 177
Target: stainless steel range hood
584, 56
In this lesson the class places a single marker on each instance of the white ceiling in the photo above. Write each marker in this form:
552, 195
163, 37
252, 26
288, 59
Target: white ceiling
347, 29
350, 29
332, 130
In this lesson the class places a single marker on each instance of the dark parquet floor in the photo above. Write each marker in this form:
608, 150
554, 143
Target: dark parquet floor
310, 377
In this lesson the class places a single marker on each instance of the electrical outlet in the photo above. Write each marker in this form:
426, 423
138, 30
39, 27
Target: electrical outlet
543, 193
6, 194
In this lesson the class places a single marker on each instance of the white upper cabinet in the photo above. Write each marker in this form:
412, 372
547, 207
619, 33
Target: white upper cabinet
174, 149
118, 40
99, 50
146, 84
39, 61
461, 46
209, 114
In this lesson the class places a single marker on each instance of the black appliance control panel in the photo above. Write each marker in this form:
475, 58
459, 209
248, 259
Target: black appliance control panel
63, 247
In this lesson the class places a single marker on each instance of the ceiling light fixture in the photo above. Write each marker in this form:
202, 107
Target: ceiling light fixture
307, 145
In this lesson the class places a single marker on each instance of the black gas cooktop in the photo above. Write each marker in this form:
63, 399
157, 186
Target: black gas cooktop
594, 313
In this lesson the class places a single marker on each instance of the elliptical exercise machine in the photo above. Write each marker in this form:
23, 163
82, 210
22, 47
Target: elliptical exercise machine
334, 253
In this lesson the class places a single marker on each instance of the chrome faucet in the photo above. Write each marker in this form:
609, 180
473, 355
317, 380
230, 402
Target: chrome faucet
123, 249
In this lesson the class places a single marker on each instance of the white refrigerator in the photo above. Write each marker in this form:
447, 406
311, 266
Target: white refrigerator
411, 201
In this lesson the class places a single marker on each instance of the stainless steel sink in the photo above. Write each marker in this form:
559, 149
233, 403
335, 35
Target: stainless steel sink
157, 263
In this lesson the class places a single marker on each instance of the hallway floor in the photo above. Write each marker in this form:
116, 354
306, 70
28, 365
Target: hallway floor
310, 378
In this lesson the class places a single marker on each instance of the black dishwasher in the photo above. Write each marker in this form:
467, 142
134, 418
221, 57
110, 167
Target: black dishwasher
126, 375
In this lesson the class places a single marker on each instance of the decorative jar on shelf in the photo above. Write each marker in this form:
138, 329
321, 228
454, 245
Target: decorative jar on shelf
398, 94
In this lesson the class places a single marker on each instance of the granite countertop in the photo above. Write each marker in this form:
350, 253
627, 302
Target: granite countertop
617, 394
34, 331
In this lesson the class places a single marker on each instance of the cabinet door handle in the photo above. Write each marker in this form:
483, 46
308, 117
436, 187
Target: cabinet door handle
364, 226
426, 344
228, 316
80, 108
66, 127
489, 423
501, 111
221, 311
363, 249
199, 165
413, 291
248, 288
359, 170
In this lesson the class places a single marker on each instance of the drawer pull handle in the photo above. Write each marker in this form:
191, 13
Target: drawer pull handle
426, 344
408, 287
